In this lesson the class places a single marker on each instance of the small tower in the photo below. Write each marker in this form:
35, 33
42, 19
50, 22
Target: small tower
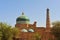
47, 32
47, 19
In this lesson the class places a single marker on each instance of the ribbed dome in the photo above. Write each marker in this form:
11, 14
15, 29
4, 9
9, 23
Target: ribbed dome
24, 30
22, 19
31, 30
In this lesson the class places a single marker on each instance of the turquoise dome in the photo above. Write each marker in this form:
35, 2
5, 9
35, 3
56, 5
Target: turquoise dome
22, 19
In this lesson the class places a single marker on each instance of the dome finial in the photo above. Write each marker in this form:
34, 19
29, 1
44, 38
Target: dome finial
47, 9
22, 13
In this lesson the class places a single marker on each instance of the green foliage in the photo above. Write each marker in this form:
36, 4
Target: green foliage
7, 32
56, 30
15, 31
37, 36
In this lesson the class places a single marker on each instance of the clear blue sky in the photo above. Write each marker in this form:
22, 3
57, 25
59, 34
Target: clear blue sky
34, 9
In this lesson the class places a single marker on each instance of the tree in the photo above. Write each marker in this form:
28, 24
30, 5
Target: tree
37, 36
7, 32
15, 31
56, 30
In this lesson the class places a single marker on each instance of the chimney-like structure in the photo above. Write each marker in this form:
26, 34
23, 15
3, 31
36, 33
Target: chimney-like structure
47, 19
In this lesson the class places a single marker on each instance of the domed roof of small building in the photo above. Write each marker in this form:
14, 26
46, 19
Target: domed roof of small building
24, 30
22, 18
31, 30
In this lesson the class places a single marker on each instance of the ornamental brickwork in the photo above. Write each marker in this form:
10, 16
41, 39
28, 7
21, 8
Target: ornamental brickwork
32, 32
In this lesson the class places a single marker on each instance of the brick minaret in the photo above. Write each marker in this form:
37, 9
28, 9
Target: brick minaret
47, 19
47, 32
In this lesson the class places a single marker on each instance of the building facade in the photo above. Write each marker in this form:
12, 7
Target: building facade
31, 31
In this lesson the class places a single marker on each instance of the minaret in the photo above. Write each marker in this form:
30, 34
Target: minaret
47, 32
47, 19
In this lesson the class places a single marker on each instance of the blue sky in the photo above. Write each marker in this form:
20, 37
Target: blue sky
34, 9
